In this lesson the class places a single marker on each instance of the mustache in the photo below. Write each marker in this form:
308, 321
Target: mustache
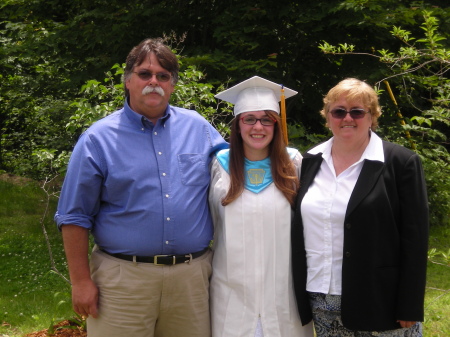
148, 89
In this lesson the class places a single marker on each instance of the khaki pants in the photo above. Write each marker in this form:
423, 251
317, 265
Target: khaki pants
142, 299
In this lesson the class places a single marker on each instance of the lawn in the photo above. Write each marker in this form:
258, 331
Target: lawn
32, 295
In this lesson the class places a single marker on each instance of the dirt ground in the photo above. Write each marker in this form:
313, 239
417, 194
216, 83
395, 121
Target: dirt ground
16, 180
61, 332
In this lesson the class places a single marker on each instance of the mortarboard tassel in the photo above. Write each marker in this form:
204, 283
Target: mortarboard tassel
283, 115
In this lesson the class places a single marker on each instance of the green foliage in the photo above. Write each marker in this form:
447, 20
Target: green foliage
303, 139
50, 49
98, 99
192, 93
75, 320
35, 82
418, 70
437, 256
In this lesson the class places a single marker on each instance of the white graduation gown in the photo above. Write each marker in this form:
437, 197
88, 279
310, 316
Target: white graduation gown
252, 262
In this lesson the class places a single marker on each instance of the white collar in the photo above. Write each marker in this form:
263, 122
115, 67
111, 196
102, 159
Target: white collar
373, 151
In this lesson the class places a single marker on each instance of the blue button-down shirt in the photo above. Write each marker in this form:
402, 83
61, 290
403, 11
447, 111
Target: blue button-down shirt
142, 188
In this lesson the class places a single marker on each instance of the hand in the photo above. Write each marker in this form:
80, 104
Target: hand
406, 324
85, 298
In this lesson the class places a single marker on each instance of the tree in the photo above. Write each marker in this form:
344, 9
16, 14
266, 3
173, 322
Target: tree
52, 48
419, 71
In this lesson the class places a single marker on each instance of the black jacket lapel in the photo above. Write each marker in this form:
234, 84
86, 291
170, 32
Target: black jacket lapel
310, 167
369, 175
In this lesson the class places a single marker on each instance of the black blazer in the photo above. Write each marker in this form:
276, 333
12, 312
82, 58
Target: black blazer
385, 242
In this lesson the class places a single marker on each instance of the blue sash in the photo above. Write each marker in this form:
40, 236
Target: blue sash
257, 173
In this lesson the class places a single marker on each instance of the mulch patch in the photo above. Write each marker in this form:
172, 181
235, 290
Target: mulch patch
62, 329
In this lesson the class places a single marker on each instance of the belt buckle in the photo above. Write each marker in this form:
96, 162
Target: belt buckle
155, 260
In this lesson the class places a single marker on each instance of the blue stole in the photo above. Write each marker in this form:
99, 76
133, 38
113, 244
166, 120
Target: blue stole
258, 174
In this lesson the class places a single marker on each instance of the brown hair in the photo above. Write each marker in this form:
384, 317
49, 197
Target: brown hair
355, 90
166, 58
283, 170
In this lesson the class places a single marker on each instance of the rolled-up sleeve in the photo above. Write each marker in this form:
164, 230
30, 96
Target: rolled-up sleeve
80, 196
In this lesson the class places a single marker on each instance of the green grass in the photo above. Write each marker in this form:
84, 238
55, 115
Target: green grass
30, 292
437, 300
29, 298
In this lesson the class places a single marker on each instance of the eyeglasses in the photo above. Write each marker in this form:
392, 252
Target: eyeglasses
251, 120
145, 75
355, 113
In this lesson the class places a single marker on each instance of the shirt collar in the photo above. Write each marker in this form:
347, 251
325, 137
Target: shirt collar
139, 119
374, 150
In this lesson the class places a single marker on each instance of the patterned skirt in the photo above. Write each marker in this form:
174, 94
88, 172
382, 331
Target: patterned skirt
327, 320
259, 330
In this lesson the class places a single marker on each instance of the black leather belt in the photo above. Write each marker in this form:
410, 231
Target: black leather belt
159, 260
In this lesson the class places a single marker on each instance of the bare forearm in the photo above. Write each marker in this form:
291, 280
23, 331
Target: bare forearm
76, 245
84, 291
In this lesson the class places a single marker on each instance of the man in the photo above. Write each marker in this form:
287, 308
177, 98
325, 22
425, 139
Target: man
138, 180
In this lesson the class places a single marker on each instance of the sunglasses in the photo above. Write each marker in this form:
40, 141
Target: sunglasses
251, 120
145, 75
355, 113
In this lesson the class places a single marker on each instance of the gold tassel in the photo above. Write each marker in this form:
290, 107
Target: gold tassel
283, 116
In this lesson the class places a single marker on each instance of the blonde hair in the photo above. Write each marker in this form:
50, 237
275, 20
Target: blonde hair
354, 90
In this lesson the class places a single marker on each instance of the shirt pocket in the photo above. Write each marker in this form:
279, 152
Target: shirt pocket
193, 169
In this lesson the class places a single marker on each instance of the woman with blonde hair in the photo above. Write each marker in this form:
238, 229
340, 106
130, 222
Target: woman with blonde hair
360, 234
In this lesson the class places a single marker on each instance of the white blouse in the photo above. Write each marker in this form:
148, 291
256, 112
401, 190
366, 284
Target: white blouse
323, 213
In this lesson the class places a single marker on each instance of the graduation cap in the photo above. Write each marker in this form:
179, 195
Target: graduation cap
256, 94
